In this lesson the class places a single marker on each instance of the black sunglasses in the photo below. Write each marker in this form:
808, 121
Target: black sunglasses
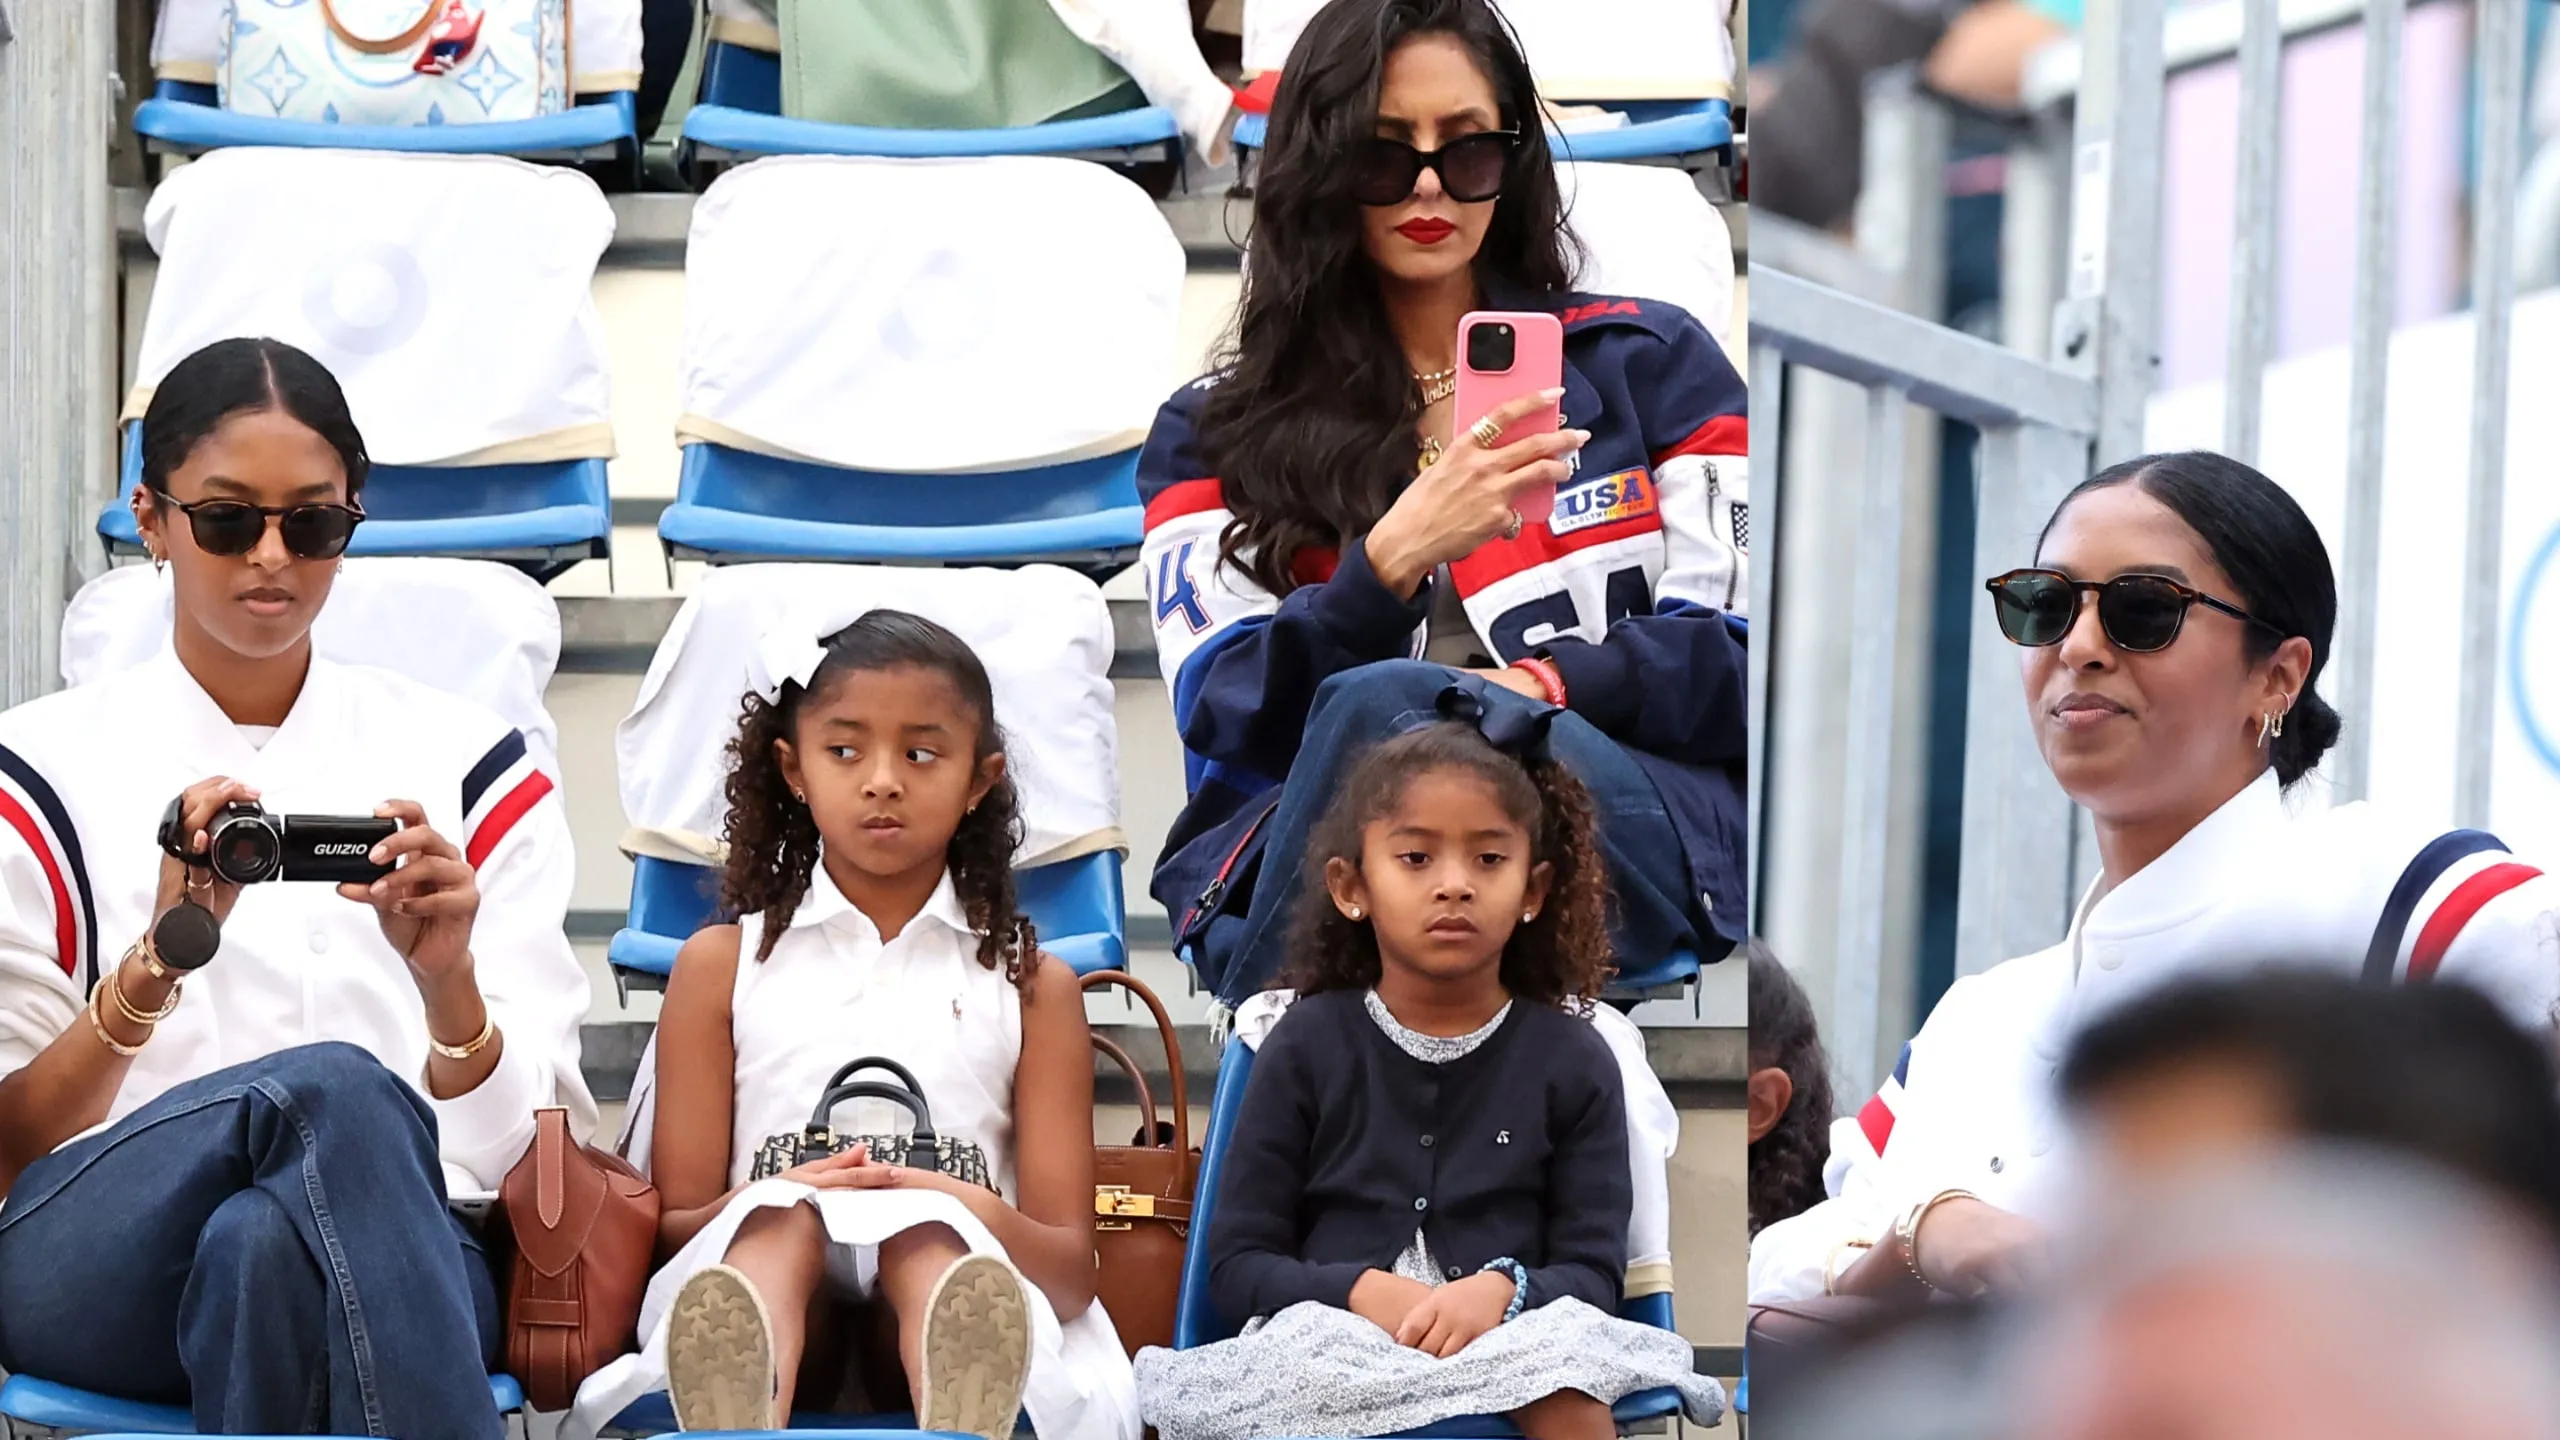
1471, 168
234, 527
2139, 613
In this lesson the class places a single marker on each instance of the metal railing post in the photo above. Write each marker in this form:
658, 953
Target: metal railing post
2369, 368
1866, 800
2499, 45
2254, 217
2105, 327
2013, 894
57, 353
1768, 403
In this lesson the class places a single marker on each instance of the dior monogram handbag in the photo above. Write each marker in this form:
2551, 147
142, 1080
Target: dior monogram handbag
921, 1149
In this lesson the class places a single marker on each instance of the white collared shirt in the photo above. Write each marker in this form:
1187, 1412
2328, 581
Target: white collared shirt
1972, 1103
85, 775
833, 992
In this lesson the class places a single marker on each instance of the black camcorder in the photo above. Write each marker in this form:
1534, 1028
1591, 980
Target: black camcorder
245, 845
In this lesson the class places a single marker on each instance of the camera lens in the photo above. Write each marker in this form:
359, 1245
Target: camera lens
1491, 348
244, 849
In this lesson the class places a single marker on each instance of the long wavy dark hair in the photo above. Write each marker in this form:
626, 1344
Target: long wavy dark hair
1786, 1164
1560, 958
773, 840
1310, 428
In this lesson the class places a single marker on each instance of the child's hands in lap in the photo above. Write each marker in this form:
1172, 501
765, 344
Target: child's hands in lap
1451, 1317
1385, 1300
835, 1172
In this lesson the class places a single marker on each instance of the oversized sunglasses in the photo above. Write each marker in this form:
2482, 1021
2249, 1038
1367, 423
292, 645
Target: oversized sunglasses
2139, 613
234, 527
1471, 168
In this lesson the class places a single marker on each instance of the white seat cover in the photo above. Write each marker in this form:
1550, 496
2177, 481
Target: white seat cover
1043, 633
1650, 234
1579, 49
468, 627
448, 293
900, 315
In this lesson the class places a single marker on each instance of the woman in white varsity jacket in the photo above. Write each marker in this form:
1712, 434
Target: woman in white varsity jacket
2174, 618
227, 1187
1322, 551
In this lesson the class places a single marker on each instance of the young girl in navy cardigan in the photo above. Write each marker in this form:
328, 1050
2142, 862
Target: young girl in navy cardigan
1424, 1210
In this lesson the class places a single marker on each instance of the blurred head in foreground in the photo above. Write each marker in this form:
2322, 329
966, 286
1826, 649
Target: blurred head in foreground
2316, 1209
2203, 1069
2312, 1210
2300, 1293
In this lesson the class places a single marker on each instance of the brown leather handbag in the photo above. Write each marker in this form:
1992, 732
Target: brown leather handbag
1142, 1194
580, 1227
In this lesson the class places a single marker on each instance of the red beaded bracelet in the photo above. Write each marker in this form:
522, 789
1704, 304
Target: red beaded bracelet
1549, 678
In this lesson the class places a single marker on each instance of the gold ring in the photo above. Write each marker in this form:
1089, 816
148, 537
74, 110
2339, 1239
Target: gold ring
1484, 432
1513, 533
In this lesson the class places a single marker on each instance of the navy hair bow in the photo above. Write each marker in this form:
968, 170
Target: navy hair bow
1515, 730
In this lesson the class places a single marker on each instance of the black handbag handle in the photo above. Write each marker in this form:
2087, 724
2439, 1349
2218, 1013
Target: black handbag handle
874, 1090
923, 1152
905, 1076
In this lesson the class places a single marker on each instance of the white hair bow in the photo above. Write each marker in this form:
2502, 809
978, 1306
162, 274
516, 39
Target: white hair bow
793, 649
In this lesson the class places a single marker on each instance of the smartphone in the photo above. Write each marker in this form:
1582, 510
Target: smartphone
1503, 355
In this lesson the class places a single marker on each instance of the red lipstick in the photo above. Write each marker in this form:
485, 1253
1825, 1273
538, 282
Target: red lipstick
1423, 230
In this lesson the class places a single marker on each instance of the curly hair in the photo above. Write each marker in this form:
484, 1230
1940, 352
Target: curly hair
1311, 427
772, 838
1560, 958
1786, 1163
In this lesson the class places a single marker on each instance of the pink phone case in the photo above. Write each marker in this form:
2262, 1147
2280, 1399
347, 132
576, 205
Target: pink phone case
1537, 363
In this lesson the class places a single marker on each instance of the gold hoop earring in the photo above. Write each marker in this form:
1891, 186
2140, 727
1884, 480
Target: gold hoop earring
2270, 727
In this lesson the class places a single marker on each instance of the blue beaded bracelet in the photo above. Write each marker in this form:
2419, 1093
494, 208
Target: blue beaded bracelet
1519, 1274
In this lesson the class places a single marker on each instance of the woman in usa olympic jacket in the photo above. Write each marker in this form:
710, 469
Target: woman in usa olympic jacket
1323, 554
227, 1188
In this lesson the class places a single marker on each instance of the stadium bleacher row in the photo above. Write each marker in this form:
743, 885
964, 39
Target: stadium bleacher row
869, 375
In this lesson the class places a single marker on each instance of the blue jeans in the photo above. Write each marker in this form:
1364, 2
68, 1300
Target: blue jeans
1649, 913
268, 1244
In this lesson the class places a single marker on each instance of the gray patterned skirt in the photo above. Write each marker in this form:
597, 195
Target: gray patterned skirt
1313, 1370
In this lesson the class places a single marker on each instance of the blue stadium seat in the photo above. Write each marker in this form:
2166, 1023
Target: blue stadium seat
1197, 1322
737, 505
543, 517
1689, 133
186, 119
740, 118
1076, 904
26, 1400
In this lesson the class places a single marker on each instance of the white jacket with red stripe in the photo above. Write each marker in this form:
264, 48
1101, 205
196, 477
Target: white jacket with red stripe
1973, 1104
84, 777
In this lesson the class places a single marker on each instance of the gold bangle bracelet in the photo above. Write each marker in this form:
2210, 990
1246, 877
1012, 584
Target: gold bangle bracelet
104, 1038
147, 951
1907, 1230
478, 1043
127, 1009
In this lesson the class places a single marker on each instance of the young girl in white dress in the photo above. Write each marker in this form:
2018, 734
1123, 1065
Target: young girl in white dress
871, 832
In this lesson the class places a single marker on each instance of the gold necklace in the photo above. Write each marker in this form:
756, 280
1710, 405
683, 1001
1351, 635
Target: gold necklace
1437, 386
